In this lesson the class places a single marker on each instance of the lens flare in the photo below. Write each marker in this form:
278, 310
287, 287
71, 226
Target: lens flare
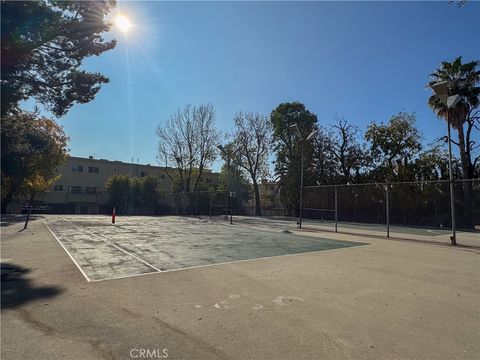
123, 23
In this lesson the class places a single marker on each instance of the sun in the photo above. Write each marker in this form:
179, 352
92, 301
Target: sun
123, 23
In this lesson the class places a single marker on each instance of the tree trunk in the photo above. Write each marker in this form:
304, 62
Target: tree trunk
463, 152
465, 202
29, 210
8, 198
258, 207
197, 180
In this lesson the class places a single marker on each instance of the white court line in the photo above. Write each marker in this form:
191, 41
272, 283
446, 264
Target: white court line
236, 261
196, 266
64, 248
443, 232
115, 246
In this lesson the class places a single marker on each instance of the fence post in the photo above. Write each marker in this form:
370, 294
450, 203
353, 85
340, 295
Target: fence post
387, 209
336, 209
453, 238
196, 203
231, 210
228, 204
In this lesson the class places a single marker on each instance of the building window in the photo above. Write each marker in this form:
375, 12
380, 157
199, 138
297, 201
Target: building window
143, 174
208, 180
93, 169
78, 168
76, 189
58, 188
162, 176
91, 190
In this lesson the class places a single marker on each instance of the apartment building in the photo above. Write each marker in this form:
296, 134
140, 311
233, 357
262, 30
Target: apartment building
81, 186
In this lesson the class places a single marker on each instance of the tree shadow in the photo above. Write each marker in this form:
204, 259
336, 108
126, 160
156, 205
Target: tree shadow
17, 289
8, 219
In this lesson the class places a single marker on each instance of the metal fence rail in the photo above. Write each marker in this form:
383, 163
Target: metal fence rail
408, 204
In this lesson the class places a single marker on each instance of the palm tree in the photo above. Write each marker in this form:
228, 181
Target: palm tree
462, 79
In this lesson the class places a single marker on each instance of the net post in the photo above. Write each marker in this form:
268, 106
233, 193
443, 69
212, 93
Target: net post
210, 203
336, 209
196, 203
387, 209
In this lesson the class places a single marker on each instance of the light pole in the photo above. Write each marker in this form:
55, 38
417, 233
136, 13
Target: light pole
302, 142
441, 90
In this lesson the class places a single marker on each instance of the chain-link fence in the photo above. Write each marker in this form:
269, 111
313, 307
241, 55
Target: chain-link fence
209, 203
214, 203
399, 206
467, 204
404, 209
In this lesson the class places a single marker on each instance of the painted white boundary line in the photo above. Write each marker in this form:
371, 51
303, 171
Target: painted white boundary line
236, 261
191, 267
64, 248
115, 246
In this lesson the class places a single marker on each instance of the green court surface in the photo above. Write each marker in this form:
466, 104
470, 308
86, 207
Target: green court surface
141, 245
429, 234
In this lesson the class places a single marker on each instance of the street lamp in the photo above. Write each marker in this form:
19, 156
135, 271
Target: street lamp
302, 142
228, 155
442, 92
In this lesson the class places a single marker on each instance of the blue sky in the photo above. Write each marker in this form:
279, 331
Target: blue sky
364, 61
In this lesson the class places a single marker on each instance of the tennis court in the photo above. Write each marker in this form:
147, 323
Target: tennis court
138, 245
350, 301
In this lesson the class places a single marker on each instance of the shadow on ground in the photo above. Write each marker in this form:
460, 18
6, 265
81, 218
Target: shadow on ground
17, 289
7, 220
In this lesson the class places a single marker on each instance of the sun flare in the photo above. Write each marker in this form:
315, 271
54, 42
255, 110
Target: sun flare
123, 23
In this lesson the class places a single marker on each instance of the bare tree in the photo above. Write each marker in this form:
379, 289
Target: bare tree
346, 149
324, 162
252, 139
187, 141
